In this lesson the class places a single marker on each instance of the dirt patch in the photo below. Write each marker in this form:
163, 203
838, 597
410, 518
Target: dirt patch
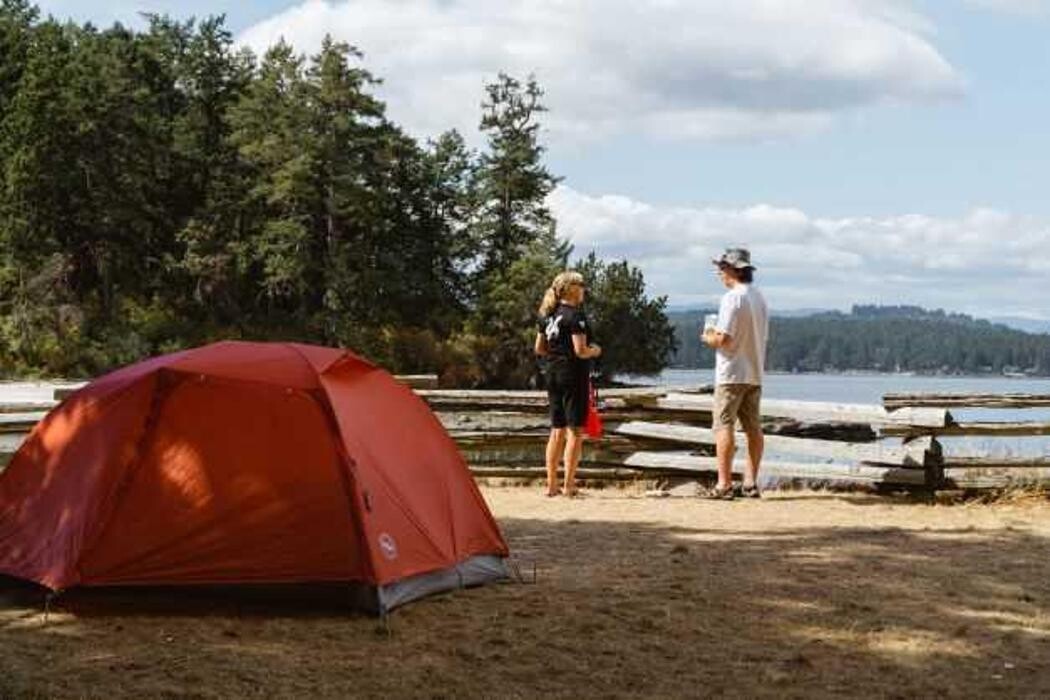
800, 594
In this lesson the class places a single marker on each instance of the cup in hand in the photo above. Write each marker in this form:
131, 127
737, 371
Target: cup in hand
710, 321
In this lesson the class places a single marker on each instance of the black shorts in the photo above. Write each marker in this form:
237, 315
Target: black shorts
569, 395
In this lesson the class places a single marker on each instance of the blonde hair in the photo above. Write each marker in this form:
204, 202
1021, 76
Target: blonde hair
556, 292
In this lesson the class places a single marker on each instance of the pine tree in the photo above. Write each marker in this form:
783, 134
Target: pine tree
513, 182
634, 332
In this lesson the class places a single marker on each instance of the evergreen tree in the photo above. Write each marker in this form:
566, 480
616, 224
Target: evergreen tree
513, 182
496, 349
160, 189
635, 335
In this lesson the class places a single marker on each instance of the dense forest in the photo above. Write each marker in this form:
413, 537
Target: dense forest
162, 188
885, 339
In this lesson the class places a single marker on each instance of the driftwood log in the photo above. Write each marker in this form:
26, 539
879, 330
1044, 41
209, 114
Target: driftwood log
26, 407
688, 464
966, 478
19, 422
930, 400
913, 454
820, 411
503, 434
997, 462
980, 428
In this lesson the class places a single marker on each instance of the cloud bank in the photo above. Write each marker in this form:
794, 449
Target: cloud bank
986, 263
702, 69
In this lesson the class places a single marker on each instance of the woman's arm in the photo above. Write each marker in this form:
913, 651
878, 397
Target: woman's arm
582, 349
540, 346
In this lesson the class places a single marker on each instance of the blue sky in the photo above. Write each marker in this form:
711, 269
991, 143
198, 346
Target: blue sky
901, 145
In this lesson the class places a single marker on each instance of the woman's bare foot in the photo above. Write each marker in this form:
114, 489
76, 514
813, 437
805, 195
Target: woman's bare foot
572, 491
552, 492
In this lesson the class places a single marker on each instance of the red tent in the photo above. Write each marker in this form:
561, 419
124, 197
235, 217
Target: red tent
247, 463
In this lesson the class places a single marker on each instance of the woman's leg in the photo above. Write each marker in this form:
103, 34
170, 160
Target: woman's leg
555, 445
573, 451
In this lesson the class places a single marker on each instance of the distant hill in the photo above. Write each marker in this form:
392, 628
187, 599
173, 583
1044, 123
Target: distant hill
1028, 325
882, 338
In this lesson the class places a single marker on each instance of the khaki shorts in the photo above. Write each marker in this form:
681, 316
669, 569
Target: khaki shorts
737, 401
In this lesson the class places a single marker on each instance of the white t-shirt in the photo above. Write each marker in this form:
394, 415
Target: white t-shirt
743, 316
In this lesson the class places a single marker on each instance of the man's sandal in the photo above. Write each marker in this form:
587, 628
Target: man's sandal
720, 494
750, 492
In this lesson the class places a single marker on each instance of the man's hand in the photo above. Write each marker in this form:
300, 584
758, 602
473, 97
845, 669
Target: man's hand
715, 339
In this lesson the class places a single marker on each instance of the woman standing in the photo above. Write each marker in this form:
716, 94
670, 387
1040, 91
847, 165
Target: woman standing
564, 339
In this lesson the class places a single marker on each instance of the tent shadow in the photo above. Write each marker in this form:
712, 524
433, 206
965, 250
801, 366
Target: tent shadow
618, 609
297, 600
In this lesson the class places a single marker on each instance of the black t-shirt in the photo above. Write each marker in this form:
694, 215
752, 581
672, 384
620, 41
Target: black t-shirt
559, 327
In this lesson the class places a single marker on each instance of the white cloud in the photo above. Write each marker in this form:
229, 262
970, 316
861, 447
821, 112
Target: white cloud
704, 69
987, 263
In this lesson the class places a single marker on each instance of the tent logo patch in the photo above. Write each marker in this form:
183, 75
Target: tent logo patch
388, 546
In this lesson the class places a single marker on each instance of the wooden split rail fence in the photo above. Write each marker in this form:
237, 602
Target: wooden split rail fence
661, 433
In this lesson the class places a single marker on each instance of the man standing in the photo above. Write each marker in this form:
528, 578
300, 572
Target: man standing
739, 340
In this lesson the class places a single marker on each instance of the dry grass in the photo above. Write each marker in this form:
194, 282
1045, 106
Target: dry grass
799, 595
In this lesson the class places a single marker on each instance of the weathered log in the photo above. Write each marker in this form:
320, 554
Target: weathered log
948, 400
452, 400
61, 392
418, 381
820, 411
19, 422
9, 442
536, 443
26, 407
912, 454
993, 429
582, 474
607, 452
867, 474
996, 462
613, 398
970, 479
492, 421
842, 432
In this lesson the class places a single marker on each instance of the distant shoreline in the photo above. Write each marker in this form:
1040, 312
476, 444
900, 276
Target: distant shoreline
877, 373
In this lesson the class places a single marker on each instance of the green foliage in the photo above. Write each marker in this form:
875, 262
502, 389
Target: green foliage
513, 182
636, 337
161, 188
887, 339
500, 333
518, 249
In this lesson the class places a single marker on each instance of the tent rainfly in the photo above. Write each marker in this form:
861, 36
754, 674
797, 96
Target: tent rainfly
247, 463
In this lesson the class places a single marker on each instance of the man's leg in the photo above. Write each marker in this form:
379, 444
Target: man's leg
756, 443
724, 449
555, 446
751, 419
726, 405
573, 452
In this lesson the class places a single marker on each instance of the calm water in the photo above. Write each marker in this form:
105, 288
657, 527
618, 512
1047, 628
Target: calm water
869, 388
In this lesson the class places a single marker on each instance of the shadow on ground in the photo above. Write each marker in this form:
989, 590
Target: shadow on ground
618, 610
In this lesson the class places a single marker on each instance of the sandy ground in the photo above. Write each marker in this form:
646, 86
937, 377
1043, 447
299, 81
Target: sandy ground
801, 594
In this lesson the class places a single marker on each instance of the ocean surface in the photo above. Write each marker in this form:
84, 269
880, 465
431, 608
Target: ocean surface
869, 388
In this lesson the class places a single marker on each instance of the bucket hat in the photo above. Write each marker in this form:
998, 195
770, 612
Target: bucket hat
739, 258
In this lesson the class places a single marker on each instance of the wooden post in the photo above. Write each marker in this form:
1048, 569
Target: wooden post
933, 464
